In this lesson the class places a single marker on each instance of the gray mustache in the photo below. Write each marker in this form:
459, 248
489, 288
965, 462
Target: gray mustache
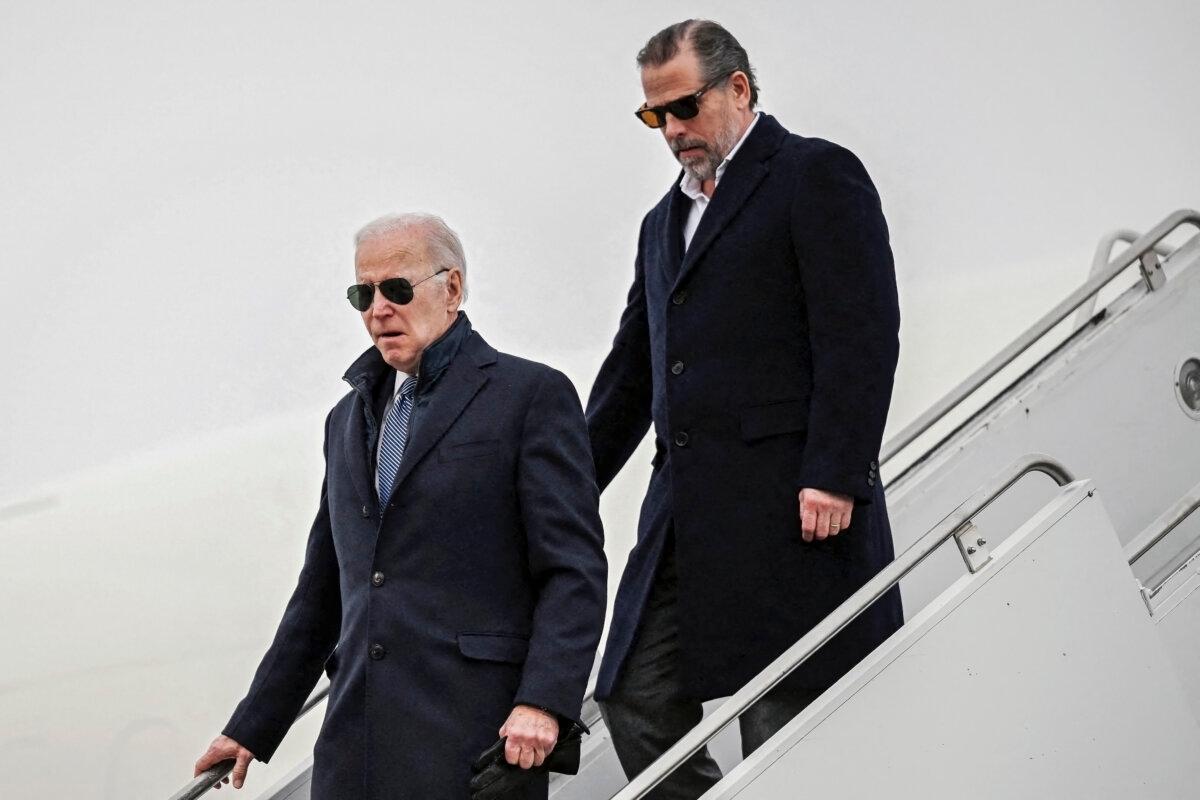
684, 144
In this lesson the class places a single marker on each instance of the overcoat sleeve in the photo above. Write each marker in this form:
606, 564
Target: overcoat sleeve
305, 638
556, 487
849, 284
618, 408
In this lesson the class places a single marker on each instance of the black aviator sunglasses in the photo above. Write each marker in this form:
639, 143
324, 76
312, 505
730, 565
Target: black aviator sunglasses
396, 290
684, 107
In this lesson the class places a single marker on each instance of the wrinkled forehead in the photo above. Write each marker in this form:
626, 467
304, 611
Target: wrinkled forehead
396, 254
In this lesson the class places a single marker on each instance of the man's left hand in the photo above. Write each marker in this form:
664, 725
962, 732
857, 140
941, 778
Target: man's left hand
823, 514
531, 734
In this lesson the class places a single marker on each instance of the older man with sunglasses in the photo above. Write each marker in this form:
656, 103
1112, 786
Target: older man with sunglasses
760, 340
454, 580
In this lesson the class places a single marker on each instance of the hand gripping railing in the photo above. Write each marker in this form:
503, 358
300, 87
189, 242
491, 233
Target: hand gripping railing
1141, 250
207, 779
842, 616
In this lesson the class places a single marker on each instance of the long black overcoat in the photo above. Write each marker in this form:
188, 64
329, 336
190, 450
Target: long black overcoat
481, 584
764, 358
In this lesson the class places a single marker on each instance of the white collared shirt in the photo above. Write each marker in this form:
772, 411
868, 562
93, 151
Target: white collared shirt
692, 188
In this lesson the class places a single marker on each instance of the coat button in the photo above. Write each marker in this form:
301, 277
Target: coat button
870, 481
366, 513
680, 297
377, 579
681, 439
377, 652
677, 368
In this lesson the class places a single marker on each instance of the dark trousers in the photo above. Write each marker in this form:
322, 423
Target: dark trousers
648, 711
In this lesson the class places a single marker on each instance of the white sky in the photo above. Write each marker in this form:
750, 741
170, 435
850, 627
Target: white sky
179, 182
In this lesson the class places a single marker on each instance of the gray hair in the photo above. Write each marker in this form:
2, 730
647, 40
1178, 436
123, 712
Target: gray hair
441, 242
717, 51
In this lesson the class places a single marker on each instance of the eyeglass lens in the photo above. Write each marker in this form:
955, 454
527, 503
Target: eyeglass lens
683, 108
396, 290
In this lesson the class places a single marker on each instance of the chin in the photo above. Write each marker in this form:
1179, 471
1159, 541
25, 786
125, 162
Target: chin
698, 172
395, 359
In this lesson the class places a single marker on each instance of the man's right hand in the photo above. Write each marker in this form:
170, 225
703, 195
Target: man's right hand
223, 748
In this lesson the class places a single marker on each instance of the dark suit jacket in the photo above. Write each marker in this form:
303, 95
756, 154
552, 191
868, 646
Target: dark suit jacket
764, 358
479, 585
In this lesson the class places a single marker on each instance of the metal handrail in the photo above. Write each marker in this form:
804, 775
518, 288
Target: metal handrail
1100, 260
208, 779
1158, 530
1144, 245
842, 616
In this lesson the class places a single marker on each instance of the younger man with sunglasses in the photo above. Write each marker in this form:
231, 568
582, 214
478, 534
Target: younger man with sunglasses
454, 581
760, 339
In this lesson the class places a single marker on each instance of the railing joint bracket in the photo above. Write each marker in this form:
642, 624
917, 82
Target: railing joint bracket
972, 546
1152, 272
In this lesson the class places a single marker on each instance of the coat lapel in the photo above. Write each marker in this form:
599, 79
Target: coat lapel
356, 451
362, 429
743, 175
678, 205
455, 389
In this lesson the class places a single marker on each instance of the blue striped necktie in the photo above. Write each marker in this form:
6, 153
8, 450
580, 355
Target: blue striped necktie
395, 437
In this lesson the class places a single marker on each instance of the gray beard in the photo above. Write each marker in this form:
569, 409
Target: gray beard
705, 168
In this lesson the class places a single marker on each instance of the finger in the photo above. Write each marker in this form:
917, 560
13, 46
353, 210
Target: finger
527, 755
835, 523
846, 518
822, 524
240, 768
512, 751
539, 756
808, 522
205, 761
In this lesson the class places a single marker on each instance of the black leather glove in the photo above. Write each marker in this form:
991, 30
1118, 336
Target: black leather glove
496, 779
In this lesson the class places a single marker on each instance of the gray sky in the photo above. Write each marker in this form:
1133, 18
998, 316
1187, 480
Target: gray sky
181, 182
179, 185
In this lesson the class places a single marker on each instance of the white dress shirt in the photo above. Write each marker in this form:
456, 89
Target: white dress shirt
692, 188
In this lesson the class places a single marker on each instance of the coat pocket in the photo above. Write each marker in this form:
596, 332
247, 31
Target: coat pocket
453, 452
507, 647
785, 416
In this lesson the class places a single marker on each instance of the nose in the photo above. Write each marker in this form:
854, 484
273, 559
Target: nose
674, 128
380, 305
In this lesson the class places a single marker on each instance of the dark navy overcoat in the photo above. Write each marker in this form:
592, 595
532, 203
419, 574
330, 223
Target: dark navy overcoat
479, 585
764, 358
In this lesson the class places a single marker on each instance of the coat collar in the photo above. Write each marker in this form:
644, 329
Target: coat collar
369, 369
741, 178
451, 374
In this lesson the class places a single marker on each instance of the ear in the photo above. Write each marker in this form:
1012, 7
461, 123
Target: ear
739, 84
454, 291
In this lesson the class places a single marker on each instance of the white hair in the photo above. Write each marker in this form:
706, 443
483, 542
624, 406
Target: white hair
444, 246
